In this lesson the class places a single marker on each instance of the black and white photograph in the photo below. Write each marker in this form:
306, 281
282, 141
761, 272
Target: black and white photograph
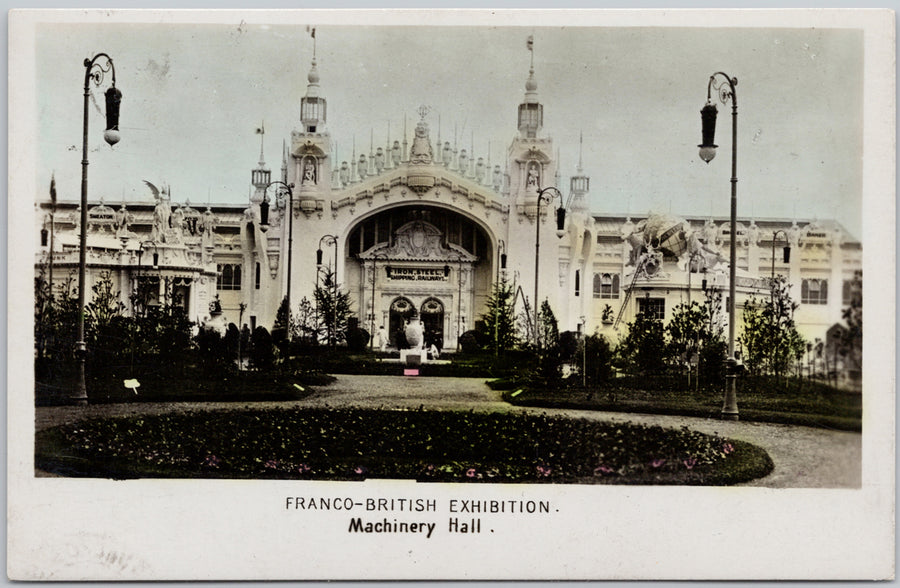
451, 295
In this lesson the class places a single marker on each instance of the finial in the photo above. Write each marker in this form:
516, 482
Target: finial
423, 111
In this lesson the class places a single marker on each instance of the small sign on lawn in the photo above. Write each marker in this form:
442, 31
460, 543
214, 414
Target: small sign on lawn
133, 385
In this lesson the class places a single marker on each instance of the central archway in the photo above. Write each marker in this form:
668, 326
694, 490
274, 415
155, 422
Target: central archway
401, 311
432, 314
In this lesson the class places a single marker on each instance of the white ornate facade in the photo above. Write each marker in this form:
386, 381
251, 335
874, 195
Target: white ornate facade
421, 226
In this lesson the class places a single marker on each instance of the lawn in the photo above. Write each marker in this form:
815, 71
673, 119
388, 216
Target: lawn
759, 399
428, 446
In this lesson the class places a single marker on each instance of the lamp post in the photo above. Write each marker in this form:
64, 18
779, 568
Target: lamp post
375, 258
328, 240
289, 188
501, 253
94, 73
787, 249
726, 91
544, 195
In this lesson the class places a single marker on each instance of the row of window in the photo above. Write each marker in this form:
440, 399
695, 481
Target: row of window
605, 285
229, 276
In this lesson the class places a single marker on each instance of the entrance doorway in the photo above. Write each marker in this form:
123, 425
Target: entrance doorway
433, 322
401, 311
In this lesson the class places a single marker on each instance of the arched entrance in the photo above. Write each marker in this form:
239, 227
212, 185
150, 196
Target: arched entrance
401, 311
432, 314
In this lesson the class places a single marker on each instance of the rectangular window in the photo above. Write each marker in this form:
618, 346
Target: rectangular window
654, 307
258, 272
577, 282
814, 292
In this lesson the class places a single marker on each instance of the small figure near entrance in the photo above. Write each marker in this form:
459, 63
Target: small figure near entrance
433, 351
382, 339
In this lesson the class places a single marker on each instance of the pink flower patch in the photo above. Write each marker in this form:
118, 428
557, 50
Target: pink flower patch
271, 464
303, 468
359, 470
602, 470
689, 463
543, 471
211, 461
471, 473
728, 448
658, 463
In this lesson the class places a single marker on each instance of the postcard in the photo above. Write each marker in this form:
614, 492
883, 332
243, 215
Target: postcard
451, 295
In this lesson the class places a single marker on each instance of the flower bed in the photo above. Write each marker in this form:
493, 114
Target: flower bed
352, 444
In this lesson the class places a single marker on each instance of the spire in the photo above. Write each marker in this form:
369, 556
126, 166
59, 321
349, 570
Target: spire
579, 184
261, 176
261, 131
312, 106
284, 161
531, 112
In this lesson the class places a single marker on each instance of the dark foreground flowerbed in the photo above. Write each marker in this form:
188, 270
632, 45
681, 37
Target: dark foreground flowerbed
353, 444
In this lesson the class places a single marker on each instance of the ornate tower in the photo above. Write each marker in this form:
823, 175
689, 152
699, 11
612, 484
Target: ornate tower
309, 168
531, 165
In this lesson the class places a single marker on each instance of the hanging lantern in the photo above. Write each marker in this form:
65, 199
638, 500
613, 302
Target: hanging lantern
113, 100
264, 215
708, 119
560, 221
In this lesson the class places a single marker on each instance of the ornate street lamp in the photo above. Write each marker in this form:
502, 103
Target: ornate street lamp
328, 240
94, 73
726, 92
544, 195
264, 217
787, 249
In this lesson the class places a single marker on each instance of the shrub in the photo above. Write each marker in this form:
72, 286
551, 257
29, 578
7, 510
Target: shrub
262, 351
469, 342
357, 339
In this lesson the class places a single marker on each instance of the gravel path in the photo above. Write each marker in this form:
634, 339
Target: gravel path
804, 457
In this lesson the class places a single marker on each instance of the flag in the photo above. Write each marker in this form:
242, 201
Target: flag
53, 190
530, 43
261, 130
313, 33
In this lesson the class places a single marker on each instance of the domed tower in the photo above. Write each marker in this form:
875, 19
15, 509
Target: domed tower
531, 165
309, 168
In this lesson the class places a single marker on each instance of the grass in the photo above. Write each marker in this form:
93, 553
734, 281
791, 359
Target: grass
759, 399
428, 446
192, 385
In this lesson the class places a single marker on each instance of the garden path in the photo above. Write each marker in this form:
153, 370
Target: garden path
804, 457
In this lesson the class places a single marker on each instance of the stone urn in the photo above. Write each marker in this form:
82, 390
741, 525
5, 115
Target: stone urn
415, 333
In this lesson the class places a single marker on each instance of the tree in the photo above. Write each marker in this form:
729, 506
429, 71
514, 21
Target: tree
500, 317
852, 339
303, 324
334, 309
643, 347
598, 355
770, 338
549, 357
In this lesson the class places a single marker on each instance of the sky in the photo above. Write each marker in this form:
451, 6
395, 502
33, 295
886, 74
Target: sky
195, 93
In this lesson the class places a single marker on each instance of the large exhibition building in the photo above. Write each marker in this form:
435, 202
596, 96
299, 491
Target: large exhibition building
420, 226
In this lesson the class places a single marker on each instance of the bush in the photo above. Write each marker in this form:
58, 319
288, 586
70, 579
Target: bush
262, 351
469, 342
568, 345
357, 339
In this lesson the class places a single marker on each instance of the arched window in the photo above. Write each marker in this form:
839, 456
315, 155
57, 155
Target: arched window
577, 282
258, 272
606, 285
814, 292
229, 277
